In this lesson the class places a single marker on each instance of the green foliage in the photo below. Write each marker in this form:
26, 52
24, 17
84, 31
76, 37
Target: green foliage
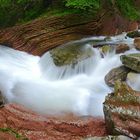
83, 4
17, 11
127, 8
12, 11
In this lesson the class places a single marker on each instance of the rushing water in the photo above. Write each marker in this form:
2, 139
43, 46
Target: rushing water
48, 89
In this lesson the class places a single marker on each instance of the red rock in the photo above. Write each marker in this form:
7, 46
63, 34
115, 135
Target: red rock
6, 136
37, 127
122, 109
121, 48
137, 43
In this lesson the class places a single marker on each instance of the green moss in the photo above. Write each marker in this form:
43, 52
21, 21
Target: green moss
13, 132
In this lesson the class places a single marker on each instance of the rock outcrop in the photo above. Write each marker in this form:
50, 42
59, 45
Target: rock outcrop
36, 127
122, 111
119, 73
45, 33
131, 61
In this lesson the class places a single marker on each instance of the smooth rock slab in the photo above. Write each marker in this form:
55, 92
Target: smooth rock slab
122, 111
119, 73
131, 61
37, 127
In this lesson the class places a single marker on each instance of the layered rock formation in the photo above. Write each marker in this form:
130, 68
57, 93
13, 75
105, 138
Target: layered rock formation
36, 127
45, 33
122, 111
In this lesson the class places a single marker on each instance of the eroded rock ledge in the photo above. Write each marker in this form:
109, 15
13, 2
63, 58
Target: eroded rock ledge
36, 127
42, 34
122, 111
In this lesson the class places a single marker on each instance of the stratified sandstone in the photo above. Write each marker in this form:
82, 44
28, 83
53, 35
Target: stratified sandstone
45, 33
122, 111
36, 127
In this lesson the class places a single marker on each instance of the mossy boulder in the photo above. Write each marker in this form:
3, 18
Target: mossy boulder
131, 61
133, 34
122, 111
71, 54
106, 49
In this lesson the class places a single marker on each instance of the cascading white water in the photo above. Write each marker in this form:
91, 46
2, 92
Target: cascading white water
40, 85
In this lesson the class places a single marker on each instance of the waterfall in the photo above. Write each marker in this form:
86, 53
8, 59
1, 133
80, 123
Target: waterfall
41, 85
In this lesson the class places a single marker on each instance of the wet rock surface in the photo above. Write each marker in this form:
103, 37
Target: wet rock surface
119, 73
118, 48
122, 111
133, 34
2, 101
109, 138
121, 48
36, 127
137, 43
71, 54
131, 61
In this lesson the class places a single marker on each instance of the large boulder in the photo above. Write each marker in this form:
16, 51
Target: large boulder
36, 127
119, 73
71, 54
122, 111
131, 61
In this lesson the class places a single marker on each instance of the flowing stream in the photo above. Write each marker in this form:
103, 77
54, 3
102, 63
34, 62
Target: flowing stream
79, 88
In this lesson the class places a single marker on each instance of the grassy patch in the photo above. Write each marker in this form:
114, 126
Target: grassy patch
13, 132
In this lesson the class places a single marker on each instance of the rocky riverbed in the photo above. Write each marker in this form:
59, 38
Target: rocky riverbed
121, 108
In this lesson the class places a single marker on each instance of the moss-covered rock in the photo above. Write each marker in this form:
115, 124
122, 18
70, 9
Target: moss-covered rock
71, 54
131, 61
133, 34
122, 111
106, 49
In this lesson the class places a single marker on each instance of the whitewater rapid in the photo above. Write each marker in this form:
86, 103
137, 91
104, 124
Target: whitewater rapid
38, 84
